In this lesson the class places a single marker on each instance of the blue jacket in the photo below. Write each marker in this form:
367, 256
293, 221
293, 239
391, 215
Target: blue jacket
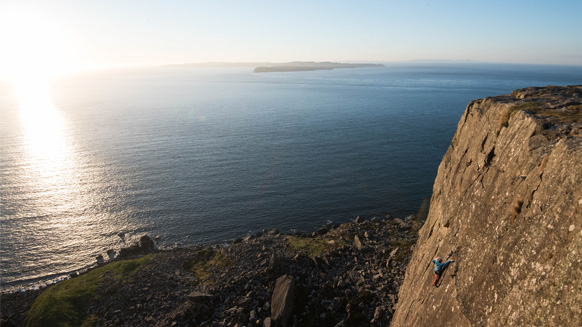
440, 267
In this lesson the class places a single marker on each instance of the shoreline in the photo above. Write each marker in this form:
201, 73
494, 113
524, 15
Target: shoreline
365, 248
106, 256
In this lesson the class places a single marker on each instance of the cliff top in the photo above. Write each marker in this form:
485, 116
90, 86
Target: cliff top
557, 106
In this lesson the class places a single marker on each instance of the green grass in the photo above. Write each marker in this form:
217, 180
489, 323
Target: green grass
64, 304
572, 113
311, 247
510, 111
205, 262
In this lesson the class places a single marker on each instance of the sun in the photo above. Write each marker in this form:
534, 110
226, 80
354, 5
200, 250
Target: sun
35, 45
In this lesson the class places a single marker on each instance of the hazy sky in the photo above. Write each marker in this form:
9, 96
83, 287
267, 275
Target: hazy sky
63, 33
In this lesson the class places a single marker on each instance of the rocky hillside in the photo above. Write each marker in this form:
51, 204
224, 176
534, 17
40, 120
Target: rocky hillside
341, 275
508, 202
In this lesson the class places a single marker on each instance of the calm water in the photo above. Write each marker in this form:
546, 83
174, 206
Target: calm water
203, 155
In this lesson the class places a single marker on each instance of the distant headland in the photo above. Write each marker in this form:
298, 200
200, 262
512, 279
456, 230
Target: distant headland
269, 67
308, 66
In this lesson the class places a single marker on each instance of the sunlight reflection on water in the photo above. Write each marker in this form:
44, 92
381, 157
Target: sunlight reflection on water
55, 191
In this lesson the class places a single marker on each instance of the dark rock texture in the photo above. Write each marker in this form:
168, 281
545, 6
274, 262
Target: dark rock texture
508, 201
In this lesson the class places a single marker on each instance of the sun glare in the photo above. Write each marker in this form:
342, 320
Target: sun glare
35, 47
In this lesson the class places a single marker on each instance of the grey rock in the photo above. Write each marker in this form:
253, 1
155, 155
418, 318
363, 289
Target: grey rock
282, 300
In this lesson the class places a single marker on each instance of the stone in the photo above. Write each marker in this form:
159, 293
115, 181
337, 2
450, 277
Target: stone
111, 254
401, 223
274, 261
378, 313
357, 243
146, 243
267, 322
282, 300
199, 296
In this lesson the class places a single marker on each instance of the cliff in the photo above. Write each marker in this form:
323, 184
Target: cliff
507, 201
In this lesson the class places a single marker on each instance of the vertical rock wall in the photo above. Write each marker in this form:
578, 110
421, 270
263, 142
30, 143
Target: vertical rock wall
508, 201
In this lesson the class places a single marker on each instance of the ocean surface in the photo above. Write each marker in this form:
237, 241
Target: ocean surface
206, 155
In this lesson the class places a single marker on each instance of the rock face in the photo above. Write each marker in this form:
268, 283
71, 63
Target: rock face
508, 201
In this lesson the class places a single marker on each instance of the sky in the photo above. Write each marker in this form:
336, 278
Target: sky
54, 36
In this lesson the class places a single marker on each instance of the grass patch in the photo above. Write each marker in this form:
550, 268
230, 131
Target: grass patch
91, 320
64, 303
205, 262
508, 112
570, 114
311, 247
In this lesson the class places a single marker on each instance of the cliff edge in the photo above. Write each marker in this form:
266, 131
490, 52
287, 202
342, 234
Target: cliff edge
507, 201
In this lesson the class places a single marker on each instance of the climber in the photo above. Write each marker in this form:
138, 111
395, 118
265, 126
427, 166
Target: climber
439, 268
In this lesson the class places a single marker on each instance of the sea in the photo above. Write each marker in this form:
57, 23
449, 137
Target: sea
204, 155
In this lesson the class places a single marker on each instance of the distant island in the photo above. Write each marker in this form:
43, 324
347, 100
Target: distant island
297, 66
269, 67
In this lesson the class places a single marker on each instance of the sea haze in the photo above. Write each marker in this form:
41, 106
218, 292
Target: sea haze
205, 155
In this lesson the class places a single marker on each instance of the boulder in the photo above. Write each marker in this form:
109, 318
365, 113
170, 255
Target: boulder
100, 259
282, 300
146, 243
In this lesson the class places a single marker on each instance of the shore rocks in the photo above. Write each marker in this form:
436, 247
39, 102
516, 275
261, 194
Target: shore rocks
145, 245
270, 279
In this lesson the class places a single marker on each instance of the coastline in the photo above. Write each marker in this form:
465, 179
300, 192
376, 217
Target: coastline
345, 260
